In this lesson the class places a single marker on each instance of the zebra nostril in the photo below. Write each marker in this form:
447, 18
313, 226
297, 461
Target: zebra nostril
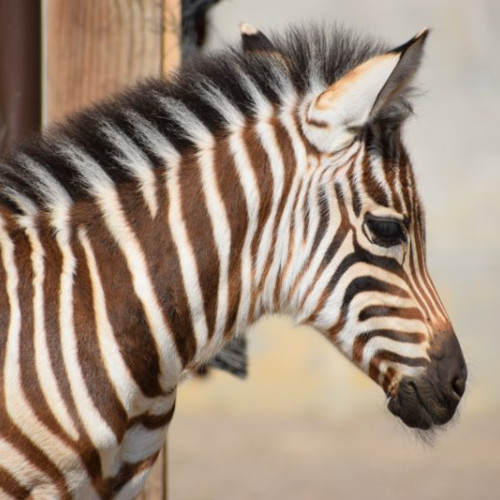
458, 386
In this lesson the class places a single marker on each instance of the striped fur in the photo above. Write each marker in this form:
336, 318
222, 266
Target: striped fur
141, 235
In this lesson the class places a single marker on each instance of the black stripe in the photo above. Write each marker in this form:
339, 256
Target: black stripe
383, 311
403, 360
370, 284
406, 337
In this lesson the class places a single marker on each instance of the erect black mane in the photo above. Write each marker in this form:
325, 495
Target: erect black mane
314, 58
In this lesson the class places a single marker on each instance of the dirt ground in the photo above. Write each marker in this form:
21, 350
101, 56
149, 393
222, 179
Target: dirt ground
226, 457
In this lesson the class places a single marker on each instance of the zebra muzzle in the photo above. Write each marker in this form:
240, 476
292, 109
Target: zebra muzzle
432, 398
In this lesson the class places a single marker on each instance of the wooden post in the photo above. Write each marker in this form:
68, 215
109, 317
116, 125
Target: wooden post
20, 81
96, 47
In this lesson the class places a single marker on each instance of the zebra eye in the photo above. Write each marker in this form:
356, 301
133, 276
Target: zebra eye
386, 232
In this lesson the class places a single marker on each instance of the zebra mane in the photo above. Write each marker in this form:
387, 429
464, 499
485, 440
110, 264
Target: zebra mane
207, 97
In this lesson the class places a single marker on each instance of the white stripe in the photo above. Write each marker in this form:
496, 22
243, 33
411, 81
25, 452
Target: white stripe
19, 467
376, 344
187, 120
5, 496
250, 188
101, 435
282, 251
136, 162
45, 372
103, 188
221, 231
132, 488
119, 375
263, 108
330, 312
219, 101
304, 237
187, 261
298, 253
139, 443
388, 322
152, 137
221, 234
164, 149
377, 170
281, 247
307, 285
268, 140
17, 405
55, 195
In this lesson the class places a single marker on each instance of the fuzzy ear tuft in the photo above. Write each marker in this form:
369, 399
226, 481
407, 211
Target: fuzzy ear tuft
255, 43
360, 95
253, 40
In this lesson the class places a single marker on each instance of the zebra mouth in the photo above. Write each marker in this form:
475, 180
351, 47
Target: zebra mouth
420, 404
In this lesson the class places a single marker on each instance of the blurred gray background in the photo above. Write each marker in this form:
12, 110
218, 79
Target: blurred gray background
307, 424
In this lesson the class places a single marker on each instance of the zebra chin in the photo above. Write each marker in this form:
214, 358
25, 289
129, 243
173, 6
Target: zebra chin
431, 399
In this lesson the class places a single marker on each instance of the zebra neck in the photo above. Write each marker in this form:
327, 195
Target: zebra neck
228, 204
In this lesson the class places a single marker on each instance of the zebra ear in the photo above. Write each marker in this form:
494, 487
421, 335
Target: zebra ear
359, 96
255, 43
253, 40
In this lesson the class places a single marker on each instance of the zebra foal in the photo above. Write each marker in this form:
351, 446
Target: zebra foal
140, 236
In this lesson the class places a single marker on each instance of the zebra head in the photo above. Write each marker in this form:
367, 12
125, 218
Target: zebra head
378, 303
356, 270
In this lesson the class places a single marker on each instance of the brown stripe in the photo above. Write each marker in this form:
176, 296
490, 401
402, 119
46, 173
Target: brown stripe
264, 181
430, 293
51, 285
29, 377
339, 237
152, 421
393, 357
163, 266
383, 311
100, 388
200, 234
111, 486
165, 270
388, 378
353, 185
9, 430
317, 123
10, 485
289, 166
124, 309
310, 148
234, 201
371, 185
363, 338
278, 289
304, 210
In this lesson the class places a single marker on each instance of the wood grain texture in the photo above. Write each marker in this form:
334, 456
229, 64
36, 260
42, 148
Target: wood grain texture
172, 21
97, 47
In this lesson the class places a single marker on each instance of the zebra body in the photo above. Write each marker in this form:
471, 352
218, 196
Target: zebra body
140, 236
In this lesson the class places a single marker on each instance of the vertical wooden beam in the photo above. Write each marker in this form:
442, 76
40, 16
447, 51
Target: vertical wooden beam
171, 37
97, 47
20, 71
